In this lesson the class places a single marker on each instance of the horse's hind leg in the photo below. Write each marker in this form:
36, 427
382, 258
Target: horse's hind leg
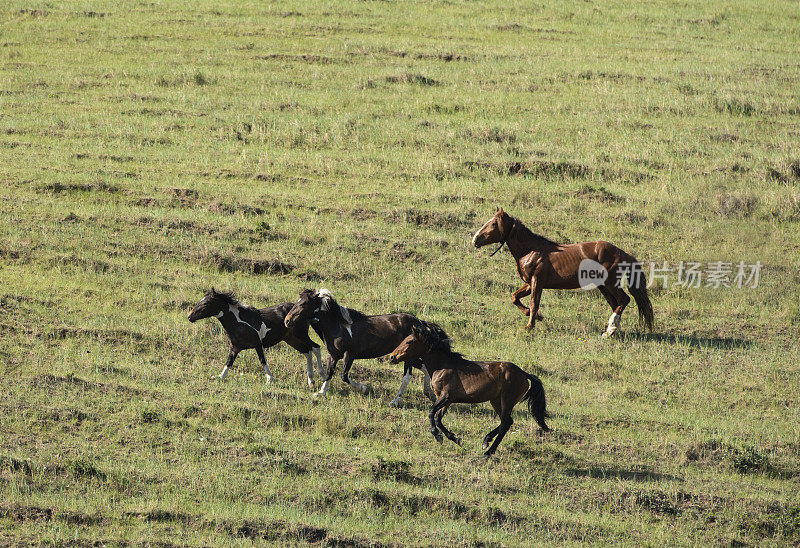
260, 352
228, 364
505, 424
304, 347
621, 299
348, 363
441, 402
426, 384
450, 436
490, 436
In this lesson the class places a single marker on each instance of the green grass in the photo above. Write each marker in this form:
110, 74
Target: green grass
151, 150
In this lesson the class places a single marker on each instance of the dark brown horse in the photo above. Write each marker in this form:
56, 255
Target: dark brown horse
351, 335
259, 328
544, 264
454, 379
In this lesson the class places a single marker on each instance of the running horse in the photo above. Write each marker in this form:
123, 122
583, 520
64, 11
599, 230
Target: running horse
544, 264
351, 335
455, 379
259, 328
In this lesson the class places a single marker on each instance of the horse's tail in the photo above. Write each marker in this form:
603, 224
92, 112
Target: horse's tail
536, 401
637, 285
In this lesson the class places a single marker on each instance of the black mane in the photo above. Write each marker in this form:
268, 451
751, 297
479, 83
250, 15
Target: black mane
520, 224
436, 338
225, 296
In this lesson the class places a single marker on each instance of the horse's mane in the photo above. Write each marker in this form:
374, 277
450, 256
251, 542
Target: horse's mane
225, 296
355, 315
436, 338
521, 225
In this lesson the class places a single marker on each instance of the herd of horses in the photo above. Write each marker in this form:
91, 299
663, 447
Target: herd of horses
448, 377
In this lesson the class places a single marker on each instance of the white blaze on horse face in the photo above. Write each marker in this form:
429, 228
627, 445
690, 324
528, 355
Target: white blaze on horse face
480, 230
221, 313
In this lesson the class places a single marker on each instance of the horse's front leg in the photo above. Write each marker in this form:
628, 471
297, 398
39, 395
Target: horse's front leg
347, 364
403, 385
263, 359
310, 369
228, 364
516, 300
330, 367
536, 295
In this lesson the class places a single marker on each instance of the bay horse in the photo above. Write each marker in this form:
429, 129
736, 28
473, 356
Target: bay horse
260, 328
544, 264
352, 335
455, 379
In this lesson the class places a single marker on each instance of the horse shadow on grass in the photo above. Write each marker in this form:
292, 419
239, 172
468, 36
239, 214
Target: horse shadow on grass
726, 343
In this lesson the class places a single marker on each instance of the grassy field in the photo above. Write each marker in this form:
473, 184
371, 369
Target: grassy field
149, 150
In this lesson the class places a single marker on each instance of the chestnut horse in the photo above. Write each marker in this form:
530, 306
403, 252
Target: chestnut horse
455, 379
544, 264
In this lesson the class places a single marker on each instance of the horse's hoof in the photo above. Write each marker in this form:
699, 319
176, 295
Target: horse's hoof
394, 403
317, 396
366, 388
270, 380
528, 327
609, 334
438, 437
457, 440
487, 456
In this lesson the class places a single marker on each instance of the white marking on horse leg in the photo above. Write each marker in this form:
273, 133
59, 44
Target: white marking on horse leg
323, 390
270, 378
426, 384
310, 369
613, 325
224, 372
318, 352
358, 386
403, 386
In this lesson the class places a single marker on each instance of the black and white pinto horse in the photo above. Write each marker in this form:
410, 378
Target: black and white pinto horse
259, 328
351, 335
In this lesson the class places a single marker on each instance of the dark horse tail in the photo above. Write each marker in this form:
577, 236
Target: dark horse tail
536, 403
637, 285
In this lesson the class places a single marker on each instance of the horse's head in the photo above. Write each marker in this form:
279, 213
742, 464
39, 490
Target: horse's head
425, 337
213, 303
495, 230
313, 304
